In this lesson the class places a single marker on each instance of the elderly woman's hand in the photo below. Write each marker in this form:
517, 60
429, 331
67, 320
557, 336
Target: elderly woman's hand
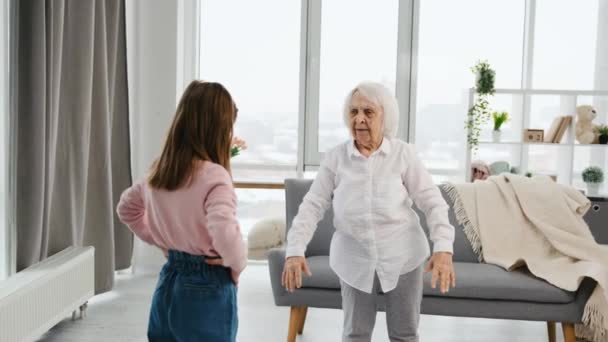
443, 271
292, 272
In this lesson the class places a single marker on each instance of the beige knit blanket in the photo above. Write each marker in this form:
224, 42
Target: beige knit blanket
512, 220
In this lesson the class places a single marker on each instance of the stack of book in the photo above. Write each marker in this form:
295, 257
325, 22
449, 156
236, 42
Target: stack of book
558, 129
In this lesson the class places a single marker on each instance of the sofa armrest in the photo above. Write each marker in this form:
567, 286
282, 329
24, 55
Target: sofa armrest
276, 262
583, 293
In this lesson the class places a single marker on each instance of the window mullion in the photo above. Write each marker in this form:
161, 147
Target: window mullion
526, 73
312, 75
302, 89
405, 87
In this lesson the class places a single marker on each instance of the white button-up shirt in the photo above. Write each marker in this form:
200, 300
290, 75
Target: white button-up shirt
377, 231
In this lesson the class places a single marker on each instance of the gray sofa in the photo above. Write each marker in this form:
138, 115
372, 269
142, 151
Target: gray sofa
482, 290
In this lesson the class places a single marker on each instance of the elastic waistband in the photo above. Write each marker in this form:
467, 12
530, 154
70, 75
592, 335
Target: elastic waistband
179, 256
188, 262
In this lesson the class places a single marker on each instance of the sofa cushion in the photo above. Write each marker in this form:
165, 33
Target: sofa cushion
485, 281
473, 280
322, 275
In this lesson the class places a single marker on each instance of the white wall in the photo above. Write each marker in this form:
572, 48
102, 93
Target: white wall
152, 70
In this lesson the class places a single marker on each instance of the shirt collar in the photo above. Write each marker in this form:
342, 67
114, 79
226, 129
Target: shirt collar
385, 148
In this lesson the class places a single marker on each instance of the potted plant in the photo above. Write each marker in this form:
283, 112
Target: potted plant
479, 113
593, 176
602, 131
484, 77
499, 119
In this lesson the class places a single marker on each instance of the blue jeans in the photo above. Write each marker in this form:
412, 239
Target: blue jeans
193, 301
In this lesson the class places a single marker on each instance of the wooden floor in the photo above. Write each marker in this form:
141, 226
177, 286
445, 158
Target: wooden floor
121, 315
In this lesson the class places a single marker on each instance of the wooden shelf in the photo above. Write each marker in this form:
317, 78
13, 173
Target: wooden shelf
538, 143
568, 149
523, 143
554, 92
591, 145
499, 143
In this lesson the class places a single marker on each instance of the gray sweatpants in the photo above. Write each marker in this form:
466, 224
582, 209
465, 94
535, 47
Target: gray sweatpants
402, 309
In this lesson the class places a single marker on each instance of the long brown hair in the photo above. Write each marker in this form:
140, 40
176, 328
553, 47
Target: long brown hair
201, 130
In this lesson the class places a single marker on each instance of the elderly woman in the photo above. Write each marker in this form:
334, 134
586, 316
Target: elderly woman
379, 244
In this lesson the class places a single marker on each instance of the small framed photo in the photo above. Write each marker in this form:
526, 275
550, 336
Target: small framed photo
533, 135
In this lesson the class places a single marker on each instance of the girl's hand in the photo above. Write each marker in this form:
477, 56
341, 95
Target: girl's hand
220, 262
235, 277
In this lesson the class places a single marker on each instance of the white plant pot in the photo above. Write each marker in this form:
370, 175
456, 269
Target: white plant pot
496, 136
593, 189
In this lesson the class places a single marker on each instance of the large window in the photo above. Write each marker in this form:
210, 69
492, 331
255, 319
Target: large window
564, 55
358, 43
253, 48
568, 57
4, 112
290, 65
453, 36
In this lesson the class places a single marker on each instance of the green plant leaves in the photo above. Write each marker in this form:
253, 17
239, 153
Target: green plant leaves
477, 116
479, 113
485, 78
499, 119
593, 174
234, 151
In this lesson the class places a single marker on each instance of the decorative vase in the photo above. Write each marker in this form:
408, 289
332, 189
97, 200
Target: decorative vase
496, 136
603, 139
593, 189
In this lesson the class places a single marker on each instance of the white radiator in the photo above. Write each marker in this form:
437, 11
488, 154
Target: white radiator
37, 298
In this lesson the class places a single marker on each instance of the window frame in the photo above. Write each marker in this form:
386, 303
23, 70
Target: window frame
405, 74
189, 68
188, 44
308, 155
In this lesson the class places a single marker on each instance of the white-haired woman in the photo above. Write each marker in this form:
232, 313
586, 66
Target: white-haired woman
379, 246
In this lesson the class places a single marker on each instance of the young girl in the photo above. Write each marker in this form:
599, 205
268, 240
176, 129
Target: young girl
187, 208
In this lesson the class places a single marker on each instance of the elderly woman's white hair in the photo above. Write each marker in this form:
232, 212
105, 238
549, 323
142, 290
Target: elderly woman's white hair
380, 95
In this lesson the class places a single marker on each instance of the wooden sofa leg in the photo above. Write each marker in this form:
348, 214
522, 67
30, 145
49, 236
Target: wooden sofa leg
551, 331
568, 329
296, 322
303, 320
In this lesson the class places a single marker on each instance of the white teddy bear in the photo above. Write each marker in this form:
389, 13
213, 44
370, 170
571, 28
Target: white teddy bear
585, 129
